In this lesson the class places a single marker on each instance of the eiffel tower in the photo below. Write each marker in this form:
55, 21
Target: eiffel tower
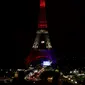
42, 48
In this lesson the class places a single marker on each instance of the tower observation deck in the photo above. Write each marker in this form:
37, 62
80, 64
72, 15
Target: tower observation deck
42, 48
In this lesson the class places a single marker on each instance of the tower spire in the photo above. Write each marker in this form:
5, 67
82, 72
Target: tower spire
42, 22
42, 4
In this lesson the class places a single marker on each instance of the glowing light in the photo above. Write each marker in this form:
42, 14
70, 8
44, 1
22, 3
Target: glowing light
33, 82
70, 71
75, 71
46, 63
12, 77
61, 73
72, 80
42, 3
6, 71
65, 76
18, 69
16, 74
10, 69
69, 78
42, 41
42, 25
75, 82
50, 79
81, 74
42, 31
31, 65
30, 74
30, 68
35, 71
56, 70
39, 56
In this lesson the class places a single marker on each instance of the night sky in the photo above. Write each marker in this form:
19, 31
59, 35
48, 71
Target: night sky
64, 26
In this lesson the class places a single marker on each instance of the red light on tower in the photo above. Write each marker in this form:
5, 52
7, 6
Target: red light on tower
42, 22
42, 25
42, 3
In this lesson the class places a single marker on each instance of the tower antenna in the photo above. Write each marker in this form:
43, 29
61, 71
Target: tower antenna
42, 22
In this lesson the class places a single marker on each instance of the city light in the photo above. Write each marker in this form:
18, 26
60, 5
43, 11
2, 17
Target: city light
31, 65
50, 79
61, 73
75, 82
16, 75
65, 76
69, 78
6, 71
34, 76
30, 74
70, 71
35, 71
33, 82
57, 71
72, 80
10, 69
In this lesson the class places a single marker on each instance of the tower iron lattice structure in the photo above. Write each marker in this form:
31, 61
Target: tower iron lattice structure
42, 48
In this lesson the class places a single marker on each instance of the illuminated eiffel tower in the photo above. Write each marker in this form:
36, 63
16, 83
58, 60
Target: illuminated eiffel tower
42, 48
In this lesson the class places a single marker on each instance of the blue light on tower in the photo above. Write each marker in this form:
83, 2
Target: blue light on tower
47, 63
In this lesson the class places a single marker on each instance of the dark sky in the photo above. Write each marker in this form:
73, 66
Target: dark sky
64, 26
